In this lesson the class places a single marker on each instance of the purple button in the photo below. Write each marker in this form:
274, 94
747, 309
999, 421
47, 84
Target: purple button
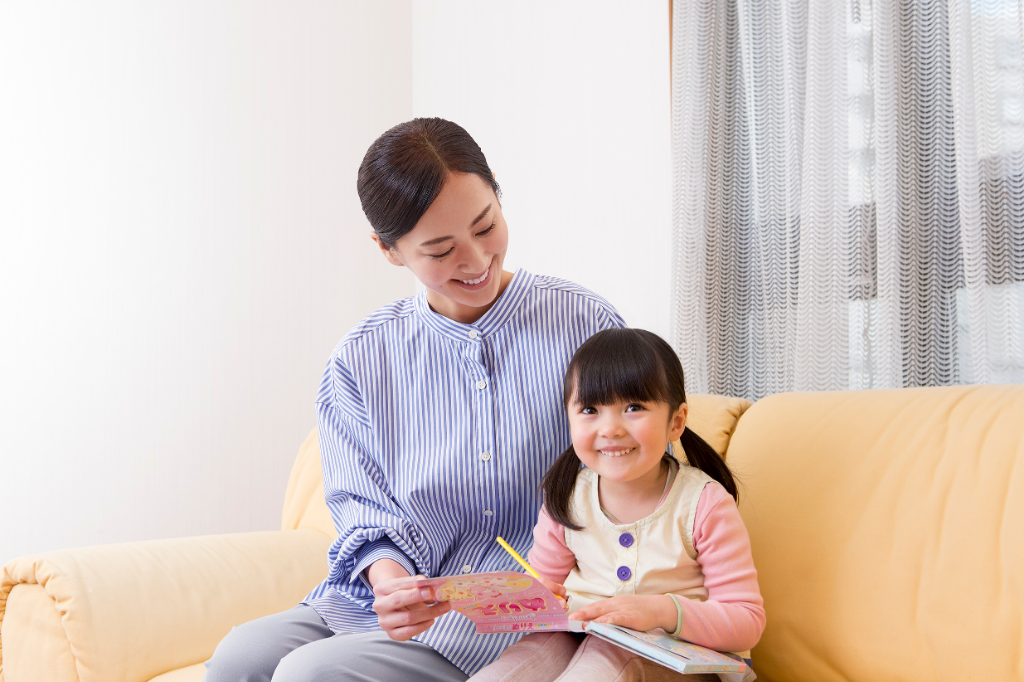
624, 573
626, 540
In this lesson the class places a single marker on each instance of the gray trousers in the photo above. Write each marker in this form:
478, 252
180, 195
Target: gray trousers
297, 646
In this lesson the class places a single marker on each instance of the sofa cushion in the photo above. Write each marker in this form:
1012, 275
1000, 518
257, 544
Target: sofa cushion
888, 532
714, 418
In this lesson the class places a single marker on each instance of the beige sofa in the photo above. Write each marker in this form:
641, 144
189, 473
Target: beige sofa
887, 529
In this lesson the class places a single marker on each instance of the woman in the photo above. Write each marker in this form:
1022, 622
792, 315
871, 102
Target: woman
438, 416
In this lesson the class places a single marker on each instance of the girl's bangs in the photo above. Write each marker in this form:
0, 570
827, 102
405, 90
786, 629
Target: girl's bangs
613, 370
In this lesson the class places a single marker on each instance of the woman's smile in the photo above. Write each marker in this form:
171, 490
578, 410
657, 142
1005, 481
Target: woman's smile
478, 282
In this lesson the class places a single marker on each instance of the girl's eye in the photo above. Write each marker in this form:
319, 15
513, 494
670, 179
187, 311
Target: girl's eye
634, 407
442, 255
485, 232
588, 410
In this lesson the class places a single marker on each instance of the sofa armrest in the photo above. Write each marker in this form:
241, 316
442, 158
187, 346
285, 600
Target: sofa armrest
127, 613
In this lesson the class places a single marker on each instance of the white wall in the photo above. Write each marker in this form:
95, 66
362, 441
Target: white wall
570, 102
181, 246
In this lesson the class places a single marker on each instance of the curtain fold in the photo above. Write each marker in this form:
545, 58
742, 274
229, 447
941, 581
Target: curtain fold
848, 197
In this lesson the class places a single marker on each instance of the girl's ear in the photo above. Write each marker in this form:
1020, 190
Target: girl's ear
677, 422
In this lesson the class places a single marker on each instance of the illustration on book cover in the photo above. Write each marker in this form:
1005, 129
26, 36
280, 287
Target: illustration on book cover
503, 601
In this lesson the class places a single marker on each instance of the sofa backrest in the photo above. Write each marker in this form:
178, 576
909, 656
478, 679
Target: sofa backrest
712, 417
304, 505
888, 532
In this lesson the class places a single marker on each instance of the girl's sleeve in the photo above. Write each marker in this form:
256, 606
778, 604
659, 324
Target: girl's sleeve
370, 524
732, 618
549, 556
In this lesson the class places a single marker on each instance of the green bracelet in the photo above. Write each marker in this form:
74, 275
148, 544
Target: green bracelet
679, 615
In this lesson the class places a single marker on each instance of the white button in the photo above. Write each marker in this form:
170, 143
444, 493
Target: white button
467, 569
485, 456
481, 384
488, 512
473, 334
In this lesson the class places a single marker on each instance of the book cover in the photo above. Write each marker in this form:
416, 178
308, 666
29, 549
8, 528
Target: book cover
503, 601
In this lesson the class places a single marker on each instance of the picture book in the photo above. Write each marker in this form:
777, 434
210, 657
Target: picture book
665, 649
503, 601
506, 601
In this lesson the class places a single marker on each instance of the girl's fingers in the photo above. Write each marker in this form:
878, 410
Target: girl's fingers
593, 611
555, 588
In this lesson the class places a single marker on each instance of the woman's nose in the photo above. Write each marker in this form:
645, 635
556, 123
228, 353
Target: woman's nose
475, 260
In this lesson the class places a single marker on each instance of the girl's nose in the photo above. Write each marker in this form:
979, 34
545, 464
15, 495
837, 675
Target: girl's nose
611, 427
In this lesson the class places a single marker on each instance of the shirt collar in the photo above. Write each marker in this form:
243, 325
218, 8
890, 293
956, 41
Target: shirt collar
500, 313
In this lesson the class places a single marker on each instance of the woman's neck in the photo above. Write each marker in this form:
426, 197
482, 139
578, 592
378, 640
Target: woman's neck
630, 501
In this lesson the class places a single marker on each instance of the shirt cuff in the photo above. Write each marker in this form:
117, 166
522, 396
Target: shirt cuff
384, 548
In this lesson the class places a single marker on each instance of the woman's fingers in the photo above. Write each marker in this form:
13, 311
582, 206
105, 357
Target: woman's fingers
395, 585
403, 614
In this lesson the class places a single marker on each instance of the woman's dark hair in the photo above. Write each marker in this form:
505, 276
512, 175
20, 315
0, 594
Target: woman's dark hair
624, 365
406, 168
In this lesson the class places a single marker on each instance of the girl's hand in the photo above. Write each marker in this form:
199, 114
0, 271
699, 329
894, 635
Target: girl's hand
640, 612
402, 613
556, 589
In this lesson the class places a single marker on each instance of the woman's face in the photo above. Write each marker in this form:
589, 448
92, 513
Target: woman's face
457, 249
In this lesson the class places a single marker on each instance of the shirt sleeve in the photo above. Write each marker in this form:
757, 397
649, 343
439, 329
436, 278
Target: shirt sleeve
385, 548
549, 555
609, 317
732, 618
370, 523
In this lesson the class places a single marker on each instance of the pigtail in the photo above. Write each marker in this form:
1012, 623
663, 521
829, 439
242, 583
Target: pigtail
704, 457
558, 485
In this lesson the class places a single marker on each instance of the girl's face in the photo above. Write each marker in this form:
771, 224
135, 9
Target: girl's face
457, 249
624, 442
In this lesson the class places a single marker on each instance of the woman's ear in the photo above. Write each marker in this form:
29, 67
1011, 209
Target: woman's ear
677, 422
389, 252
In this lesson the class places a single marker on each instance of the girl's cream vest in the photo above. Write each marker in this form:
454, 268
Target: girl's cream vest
654, 555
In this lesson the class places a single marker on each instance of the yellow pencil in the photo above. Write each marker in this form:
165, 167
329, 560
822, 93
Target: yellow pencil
515, 555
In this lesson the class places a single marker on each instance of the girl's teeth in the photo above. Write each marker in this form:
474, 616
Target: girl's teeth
617, 453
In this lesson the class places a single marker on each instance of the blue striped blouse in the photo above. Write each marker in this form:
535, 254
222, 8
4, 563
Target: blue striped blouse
434, 436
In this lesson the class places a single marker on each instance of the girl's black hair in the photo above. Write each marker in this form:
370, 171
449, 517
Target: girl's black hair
624, 365
406, 168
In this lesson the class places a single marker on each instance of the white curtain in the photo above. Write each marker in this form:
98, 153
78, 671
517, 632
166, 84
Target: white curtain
848, 201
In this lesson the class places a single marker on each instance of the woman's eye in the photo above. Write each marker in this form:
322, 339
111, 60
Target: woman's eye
485, 232
442, 255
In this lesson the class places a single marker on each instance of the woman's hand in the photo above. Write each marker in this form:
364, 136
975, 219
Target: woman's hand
402, 613
640, 612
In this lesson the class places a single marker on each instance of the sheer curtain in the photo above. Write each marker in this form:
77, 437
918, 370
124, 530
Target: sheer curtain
848, 200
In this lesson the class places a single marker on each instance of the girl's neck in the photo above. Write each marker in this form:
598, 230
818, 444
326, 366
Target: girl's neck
631, 501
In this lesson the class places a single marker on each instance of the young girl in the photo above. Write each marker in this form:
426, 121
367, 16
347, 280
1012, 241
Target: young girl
638, 537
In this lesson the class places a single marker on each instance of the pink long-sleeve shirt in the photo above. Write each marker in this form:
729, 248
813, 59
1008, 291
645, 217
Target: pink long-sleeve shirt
732, 618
